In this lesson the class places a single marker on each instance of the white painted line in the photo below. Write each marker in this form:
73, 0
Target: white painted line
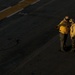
39, 8
6, 9
15, 12
21, 1
35, 2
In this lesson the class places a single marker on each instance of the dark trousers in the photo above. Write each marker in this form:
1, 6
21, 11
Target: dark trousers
73, 42
63, 39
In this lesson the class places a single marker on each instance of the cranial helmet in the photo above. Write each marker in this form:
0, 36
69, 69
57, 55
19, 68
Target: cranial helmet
71, 20
66, 17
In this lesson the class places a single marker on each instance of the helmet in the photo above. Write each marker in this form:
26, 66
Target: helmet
66, 17
72, 20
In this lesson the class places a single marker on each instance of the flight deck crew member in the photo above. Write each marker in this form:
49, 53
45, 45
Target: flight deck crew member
72, 33
64, 27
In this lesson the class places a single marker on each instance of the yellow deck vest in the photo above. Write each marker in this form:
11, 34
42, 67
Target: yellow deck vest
72, 30
63, 29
